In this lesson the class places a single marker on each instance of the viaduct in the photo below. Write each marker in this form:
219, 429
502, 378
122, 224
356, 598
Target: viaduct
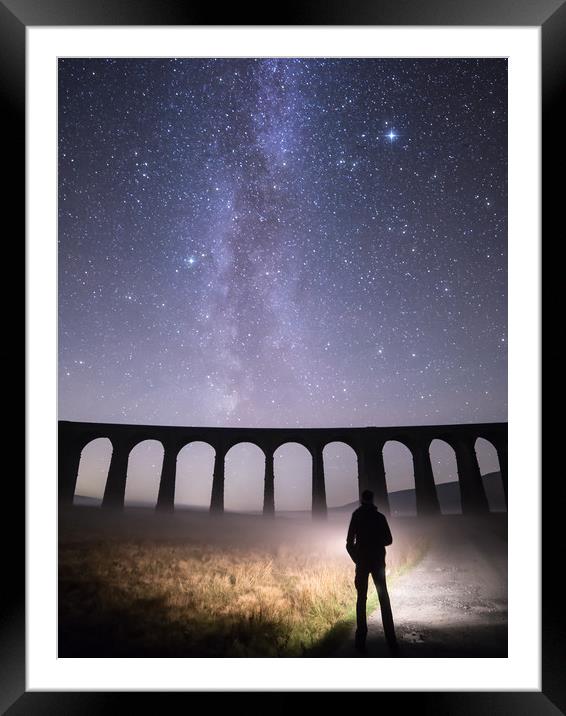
366, 442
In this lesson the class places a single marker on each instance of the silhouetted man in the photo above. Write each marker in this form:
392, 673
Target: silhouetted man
368, 535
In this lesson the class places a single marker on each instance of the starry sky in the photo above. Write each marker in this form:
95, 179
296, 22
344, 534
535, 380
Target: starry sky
283, 242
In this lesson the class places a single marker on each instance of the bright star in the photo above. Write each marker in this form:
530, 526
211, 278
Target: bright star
391, 135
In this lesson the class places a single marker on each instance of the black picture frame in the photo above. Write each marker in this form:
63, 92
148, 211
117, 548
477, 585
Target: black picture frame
550, 16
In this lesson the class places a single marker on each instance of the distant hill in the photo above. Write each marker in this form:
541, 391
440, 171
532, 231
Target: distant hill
85, 501
402, 502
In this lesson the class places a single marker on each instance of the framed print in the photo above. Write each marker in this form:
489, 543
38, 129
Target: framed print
275, 230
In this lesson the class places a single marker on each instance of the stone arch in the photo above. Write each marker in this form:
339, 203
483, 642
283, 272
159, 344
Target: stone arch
193, 481
295, 439
292, 463
399, 477
345, 438
245, 440
445, 471
145, 460
340, 473
490, 469
244, 469
93, 472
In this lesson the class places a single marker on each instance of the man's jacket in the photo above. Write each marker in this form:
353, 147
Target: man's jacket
368, 535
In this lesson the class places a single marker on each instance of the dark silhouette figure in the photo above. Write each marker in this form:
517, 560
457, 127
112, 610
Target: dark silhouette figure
368, 535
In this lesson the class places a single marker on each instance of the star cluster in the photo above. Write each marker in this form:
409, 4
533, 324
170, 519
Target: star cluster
282, 242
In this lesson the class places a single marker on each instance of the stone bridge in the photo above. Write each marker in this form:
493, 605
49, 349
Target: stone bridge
366, 442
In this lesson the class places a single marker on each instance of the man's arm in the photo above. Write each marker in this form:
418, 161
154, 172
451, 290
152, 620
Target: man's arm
387, 537
350, 539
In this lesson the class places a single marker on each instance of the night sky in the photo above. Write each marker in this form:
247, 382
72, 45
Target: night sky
282, 242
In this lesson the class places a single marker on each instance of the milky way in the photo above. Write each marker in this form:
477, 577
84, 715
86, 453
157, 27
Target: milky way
288, 242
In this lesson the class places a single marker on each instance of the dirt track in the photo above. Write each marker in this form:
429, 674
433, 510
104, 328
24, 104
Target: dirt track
454, 602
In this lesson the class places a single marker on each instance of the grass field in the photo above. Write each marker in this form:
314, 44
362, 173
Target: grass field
163, 595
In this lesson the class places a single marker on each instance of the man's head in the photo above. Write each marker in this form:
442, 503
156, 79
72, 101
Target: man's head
367, 497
